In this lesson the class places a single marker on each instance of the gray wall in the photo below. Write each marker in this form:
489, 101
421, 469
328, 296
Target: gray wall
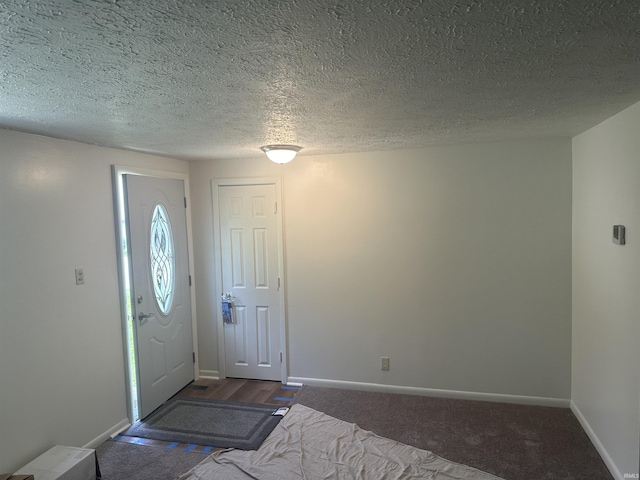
606, 287
455, 262
61, 357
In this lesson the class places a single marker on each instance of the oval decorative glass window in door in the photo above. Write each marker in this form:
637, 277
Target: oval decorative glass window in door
162, 258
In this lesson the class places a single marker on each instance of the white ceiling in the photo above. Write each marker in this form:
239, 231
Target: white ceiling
198, 79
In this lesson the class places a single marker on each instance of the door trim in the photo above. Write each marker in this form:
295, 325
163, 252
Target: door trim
216, 183
117, 171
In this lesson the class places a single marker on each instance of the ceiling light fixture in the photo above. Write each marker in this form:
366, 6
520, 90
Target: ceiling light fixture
281, 153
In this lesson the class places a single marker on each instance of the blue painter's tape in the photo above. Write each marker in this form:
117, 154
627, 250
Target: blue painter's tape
172, 445
190, 447
119, 437
288, 387
207, 449
285, 399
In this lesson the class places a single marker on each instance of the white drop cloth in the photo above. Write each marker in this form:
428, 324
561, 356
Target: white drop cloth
308, 444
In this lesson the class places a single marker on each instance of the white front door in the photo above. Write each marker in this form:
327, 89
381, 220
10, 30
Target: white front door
161, 301
249, 248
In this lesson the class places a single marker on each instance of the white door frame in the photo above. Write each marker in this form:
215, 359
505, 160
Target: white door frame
216, 183
124, 269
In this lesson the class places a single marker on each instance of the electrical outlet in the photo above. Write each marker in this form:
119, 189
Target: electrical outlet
79, 276
385, 363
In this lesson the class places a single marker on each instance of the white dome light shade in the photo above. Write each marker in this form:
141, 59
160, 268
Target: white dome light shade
281, 153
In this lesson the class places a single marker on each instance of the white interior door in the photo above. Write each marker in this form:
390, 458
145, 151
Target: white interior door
250, 273
161, 294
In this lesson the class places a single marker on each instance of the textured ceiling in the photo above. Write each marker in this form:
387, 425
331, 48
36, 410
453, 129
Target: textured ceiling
217, 79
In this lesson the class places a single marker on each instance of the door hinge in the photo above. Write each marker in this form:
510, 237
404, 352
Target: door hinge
189, 280
185, 202
194, 357
278, 283
280, 357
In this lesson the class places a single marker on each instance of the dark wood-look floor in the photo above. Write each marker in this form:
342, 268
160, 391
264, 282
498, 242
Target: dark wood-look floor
240, 390
229, 389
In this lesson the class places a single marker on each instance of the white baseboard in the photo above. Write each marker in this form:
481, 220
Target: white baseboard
432, 392
606, 458
209, 374
112, 432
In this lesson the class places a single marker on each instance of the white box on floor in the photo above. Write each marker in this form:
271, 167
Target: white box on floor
63, 463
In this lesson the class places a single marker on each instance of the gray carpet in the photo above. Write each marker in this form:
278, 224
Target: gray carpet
124, 461
511, 441
214, 423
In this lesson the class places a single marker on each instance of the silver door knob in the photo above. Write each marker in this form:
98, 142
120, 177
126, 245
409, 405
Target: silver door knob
143, 316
